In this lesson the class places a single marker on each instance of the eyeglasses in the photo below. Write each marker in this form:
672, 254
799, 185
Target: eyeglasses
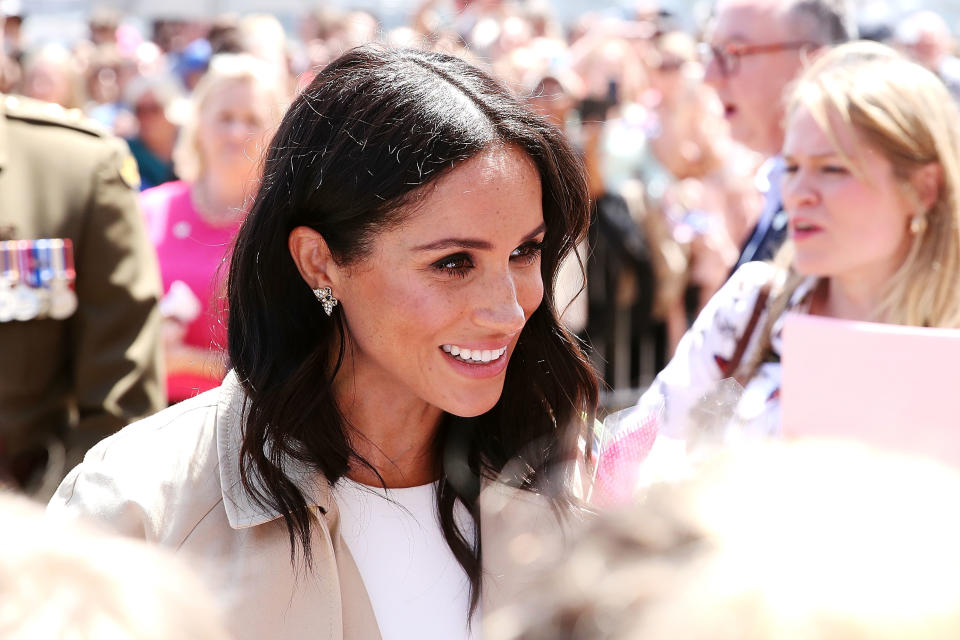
728, 56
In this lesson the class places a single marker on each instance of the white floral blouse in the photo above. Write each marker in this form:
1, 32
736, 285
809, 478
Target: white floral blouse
697, 401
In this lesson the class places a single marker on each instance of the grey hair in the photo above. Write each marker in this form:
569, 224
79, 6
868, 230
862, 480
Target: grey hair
827, 22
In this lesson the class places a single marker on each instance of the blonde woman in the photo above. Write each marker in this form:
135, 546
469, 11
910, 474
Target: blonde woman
871, 188
192, 222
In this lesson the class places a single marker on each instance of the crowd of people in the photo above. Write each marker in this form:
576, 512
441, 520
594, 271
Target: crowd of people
386, 280
675, 146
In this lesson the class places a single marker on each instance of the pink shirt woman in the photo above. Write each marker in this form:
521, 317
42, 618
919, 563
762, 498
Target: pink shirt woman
193, 222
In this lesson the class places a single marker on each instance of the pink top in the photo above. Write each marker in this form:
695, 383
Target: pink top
195, 253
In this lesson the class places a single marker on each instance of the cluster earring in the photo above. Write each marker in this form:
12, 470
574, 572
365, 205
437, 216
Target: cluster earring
325, 297
918, 224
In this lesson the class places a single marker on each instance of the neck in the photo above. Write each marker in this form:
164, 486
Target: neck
852, 298
217, 198
391, 430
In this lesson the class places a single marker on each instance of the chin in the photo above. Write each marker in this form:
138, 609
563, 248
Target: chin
811, 268
473, 405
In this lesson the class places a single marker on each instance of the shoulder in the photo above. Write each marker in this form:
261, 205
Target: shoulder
51, 134
153, 479
738, 296
36, 112
728, 315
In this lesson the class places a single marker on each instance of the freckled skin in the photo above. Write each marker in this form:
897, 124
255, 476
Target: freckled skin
402, 303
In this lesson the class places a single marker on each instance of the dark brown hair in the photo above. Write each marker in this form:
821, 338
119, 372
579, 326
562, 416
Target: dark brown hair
359, 143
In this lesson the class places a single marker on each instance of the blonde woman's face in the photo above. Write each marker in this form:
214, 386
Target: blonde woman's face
843, 223
232, 129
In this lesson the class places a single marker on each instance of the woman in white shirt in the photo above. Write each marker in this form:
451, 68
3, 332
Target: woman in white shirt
871, 186
395, 349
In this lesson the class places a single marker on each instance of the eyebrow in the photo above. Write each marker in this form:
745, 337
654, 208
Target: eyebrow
816, 156
472, 243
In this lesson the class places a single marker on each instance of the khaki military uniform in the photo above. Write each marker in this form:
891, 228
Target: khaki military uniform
67, 383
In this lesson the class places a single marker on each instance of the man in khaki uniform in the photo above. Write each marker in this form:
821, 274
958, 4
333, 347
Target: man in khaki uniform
74, 372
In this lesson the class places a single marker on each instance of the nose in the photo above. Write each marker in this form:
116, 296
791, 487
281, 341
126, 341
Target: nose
712, 74
797, 191
498, 307
239, 131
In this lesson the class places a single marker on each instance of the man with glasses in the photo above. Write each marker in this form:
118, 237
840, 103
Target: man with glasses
754, 49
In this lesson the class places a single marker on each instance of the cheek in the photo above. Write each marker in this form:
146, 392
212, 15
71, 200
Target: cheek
869, 217
390, 309
530, 291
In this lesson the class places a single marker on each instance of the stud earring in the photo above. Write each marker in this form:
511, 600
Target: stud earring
325, 297
918, 224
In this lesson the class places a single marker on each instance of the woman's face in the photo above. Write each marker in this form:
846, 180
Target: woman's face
843, 224
232, 125
434, 313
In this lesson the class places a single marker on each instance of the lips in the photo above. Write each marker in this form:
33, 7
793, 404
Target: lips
801, 229
477, 361
474, 356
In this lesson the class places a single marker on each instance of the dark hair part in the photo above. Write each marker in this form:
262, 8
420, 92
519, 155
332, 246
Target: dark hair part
826, 21
352, 154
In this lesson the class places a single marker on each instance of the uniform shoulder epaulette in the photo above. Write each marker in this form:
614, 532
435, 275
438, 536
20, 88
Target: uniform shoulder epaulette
28, 109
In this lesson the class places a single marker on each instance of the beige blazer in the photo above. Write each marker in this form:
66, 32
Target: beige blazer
173, 479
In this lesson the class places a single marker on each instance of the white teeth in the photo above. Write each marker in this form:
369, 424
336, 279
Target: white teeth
474, 355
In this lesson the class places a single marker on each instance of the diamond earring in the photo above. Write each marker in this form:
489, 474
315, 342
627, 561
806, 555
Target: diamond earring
325, 297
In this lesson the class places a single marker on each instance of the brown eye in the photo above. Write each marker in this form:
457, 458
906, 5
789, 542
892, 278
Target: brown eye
527, 253
458, 265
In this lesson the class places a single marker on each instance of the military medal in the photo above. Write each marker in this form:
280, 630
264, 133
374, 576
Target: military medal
8, 279
27, 305
63, 299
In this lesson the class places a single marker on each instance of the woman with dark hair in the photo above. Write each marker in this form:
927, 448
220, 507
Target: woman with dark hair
397, 357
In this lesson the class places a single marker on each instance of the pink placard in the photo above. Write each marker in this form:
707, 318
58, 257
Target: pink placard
891, 386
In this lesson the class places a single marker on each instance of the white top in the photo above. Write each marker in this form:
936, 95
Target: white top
416, 586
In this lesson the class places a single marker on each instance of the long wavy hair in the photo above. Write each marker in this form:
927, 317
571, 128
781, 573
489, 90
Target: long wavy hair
373, 128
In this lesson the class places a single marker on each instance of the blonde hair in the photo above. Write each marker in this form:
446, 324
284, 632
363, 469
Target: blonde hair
904, 111
907, 114
65, 580
224, 69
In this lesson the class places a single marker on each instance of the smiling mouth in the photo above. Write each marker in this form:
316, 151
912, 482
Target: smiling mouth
474, 356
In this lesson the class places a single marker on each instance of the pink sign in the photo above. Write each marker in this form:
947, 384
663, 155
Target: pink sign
891, 386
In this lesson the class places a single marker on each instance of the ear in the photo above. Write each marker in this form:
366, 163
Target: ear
926, 182
313, 258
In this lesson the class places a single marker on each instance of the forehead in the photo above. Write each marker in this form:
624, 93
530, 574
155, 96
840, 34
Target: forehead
805, 136
234, 93
759, 21
495, 190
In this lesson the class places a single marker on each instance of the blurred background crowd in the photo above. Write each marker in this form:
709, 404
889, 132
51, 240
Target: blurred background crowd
197, 89
676, 195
